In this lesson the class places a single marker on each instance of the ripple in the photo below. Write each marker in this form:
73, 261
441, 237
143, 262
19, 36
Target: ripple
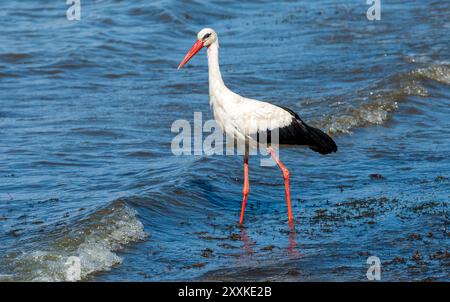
15, 57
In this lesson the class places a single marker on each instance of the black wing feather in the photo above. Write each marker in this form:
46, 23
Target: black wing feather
300, 133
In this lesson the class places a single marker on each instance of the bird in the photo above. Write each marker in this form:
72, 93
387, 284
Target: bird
248, 120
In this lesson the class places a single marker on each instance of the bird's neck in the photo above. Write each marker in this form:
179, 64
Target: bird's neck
215, 78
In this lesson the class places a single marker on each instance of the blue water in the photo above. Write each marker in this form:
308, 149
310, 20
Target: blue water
86, 168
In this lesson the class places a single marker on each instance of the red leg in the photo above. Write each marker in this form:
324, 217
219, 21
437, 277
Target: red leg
246, 189
286, 175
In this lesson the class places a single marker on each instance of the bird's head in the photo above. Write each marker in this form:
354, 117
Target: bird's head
205, 38
207, 35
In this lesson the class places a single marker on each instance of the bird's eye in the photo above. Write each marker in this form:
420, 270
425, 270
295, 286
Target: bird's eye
206, 36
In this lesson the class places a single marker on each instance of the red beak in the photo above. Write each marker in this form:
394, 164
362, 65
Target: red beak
194, 49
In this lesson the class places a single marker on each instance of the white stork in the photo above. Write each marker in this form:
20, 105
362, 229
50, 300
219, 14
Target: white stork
244, 119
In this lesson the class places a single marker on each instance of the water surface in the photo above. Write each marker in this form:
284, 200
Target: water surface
86, 168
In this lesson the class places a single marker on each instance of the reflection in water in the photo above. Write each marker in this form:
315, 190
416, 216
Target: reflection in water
247, 243
291, 247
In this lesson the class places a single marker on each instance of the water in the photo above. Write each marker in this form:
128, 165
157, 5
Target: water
86, 168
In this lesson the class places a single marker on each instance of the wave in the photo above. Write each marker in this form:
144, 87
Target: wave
438, 73
376, 104
77, 251
374, 112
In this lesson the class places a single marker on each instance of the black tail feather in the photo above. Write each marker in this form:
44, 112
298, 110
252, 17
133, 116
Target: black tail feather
299, 133
319, 141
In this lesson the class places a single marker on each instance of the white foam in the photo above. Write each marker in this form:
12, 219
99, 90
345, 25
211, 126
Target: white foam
368, 114
376, 108
95, 252
439, 73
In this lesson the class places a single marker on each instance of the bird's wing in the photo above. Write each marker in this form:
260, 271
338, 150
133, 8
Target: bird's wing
253, 116
255, 120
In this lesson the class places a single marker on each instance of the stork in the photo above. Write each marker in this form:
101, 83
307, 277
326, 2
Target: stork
244, 119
